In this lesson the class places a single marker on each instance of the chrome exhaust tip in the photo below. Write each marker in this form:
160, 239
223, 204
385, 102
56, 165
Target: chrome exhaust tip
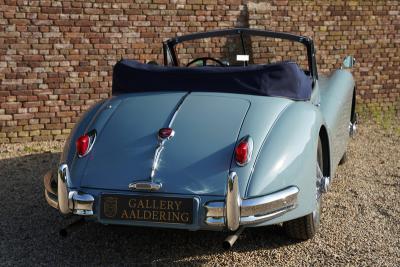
231, 239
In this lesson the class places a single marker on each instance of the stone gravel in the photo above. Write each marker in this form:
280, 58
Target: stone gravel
360, 219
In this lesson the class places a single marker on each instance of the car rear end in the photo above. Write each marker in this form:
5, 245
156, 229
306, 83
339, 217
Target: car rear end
117, 169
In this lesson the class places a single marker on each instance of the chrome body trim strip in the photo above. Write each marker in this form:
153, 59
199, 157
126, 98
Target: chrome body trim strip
157, 153
161, 141
156, 159
236, 211
178, 107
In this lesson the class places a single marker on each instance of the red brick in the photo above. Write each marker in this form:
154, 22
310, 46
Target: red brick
55, 126
5, 117
11, 105
20, 139
19, 21
24, 116
56, 61
51, 10
66, 114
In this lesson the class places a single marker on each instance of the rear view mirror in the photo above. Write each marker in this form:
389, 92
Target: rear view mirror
348, 62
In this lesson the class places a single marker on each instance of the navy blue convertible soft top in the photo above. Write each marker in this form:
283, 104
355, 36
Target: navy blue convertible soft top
284, 79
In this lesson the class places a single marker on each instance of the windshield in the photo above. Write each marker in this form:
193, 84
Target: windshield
232, 50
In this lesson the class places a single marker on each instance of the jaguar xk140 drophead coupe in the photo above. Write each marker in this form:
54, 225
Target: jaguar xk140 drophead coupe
223, 136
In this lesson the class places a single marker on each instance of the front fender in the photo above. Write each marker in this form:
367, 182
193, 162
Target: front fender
288, 157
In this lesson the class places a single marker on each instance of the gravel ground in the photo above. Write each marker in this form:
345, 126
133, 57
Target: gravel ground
360, 220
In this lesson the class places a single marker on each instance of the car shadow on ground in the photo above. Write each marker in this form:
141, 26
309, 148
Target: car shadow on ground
30, 228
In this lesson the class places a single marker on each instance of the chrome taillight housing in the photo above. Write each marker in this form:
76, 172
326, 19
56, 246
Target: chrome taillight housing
244, 150
84, 143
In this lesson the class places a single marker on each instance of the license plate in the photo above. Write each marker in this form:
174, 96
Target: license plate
146, 208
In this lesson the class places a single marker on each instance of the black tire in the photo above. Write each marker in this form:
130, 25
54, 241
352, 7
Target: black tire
353, 119
302, 228
305, 227
343, 159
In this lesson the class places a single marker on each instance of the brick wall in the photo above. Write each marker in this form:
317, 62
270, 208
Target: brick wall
56, 57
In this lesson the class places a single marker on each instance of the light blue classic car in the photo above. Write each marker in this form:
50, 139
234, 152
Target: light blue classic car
212, 140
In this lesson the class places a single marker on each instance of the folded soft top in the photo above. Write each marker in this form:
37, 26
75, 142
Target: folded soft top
283, 79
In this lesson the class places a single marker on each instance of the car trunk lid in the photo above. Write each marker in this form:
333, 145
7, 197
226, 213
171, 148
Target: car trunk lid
195, 161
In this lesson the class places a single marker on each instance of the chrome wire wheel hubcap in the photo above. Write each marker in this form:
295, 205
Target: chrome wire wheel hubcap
319, 180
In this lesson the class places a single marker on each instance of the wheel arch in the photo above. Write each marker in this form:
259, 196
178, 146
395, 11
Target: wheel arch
353, 117
323, 135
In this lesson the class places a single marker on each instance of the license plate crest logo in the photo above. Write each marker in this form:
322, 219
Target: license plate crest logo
110, 207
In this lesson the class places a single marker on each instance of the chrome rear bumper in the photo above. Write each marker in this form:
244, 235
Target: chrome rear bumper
235, 211
67, 201
231, 213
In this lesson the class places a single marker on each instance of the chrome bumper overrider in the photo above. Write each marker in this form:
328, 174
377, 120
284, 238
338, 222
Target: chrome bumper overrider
67, 201
235, 211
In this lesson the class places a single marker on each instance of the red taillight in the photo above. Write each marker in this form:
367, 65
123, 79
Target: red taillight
85, 143
82, 145
243, 151
165, 133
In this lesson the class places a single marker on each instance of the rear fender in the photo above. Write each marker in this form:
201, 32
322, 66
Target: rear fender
337, 101
82, 126
288, 157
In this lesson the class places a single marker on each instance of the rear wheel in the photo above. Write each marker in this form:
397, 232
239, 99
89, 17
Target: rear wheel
352, 125
305, 227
